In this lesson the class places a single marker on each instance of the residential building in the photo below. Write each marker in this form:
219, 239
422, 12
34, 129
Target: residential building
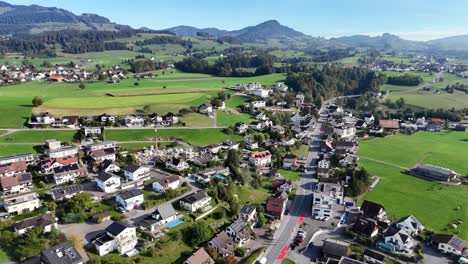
170, 182
241, 128
410, 224
258, 104
281, 87
261, 158
102, 145
195, 201
68, 173
389, 124
170, 119
67, 192
130, 199
450, 244
326, 195
205, 109
92, 132
48, 164
19, 203
11, 169
18, 183
63, 253
103, 154
248, 213
300, 99
164, 214
223, 244
275, 207
134, 121
239, 231
366, 227
120, 236
46, 221
369, 120
108, 166
373, 210
373, 257
345, 131
136, 172
334, 248
200, 257
177, 164
398, 239
28, 158
108, 182
323, 168
263, 93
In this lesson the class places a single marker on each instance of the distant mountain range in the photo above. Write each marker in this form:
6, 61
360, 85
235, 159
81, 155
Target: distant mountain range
16, 19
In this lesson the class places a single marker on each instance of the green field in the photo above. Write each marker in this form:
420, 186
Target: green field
197, 120
431, 100
134, 147
399, 59
229, 119
13, 149
160, 95
236, 101
431, 202
38, 136
128, 134
197, 137
290, 175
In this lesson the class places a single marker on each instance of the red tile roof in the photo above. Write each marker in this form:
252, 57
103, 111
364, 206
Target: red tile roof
389, 124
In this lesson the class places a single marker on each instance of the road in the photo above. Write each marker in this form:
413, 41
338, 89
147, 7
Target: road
302, 203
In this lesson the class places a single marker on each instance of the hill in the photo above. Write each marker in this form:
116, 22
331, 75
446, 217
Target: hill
385, 41
450, 43
34, 19
188, 31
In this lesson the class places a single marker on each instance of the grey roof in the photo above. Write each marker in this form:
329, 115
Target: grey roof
374, 254
132, 168
371, 209
117, 227
194, 197
130, 194
247, 209
105, 176
166, 210
335, 247
66, 168
37, 221
59, 193
64, 253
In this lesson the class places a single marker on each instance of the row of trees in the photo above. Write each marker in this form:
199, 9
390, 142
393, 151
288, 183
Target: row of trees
406, 80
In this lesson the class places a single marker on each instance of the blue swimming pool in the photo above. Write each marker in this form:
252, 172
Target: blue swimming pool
174, 223
221, 177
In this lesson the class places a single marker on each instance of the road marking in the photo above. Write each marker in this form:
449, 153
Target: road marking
283, 253
301, 218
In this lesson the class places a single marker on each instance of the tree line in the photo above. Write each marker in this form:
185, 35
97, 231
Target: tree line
405, 80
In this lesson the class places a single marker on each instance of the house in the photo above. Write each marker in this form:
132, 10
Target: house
228, 144
67, 192
344, 131
389, 124
19, 203
195, 201
130, 199
325, 196
136, 172
18, 183
251, 144
106, 119
170, 182
248, 213
241, 128
263, 93
281, 87
369, 120
170, 119
102, 145
63, 253
376, 130
108, 166
120, 236
261, 158
432, 172
239, 231
450, 244
103, 154
164, 214
68, 173
398, 239
134, 121
48, 164
11, 169
154, 118
200, 257
177, 164
223, 244
46, 221
92, 132
361, 124
281, 185
366, 227
261, 116
410, 224
275, 207
333, 248
56, 78
300, 99
108, 182
373, 210
258, 104
28, 158
373, 257
41, 119
62, 152
345, 146
323, 168
205, 109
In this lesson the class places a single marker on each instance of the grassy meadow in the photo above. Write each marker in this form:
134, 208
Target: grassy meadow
431, 202
198, 137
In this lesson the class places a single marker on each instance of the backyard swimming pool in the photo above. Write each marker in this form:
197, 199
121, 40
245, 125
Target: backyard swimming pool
174, 223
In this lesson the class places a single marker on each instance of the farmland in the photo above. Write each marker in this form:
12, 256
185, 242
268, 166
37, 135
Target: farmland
197, 137
457, 100
431, 202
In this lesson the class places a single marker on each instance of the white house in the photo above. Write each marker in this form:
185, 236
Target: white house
326, 195
103, 154
108, 183
46, 221
68, 173
134, 121
177, 164
399, 239
205, 109
239, 231
344, 131
261, 158
410, 224
108, 166
248, 213
164, 214
19, 203
136, 172
171, 182
450, 244
195, 201
281, 87
92, 132
241, 128
258, 104
120, 236
130, 199
261, 93
369, 120
323, 167
223, 244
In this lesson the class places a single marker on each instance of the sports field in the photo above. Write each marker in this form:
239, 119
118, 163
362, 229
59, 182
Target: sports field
432, 203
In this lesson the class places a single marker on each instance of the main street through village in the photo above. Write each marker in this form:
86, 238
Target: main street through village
302, 202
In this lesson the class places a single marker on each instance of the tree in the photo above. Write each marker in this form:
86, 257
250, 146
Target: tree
37, 101
229, 260
80, 203
201, 233
82, 86
136, 83
261, 220
232, 160
240, 251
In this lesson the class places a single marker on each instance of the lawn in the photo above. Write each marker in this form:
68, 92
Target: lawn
432, 100
397, 88
287, 261
431, 202
197, 120
3, 257
14, 149
236, 101
249, 195
290, 175
229, 119
198, 137
39, 136
134, 147
129, 134
302, 151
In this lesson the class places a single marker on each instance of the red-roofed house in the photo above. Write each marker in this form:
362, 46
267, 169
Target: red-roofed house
13, 168
389, 124
275, 207
261, 158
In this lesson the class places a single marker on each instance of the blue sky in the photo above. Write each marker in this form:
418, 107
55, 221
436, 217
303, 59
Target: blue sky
410, 19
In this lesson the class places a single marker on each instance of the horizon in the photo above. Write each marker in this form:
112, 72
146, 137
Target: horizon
328, 21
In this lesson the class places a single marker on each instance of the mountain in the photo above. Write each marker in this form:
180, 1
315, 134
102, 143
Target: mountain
450, 43
188, 31
385, 41
34, 19
270, 29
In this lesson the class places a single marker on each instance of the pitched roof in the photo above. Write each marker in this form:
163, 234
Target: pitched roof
37, 221
130, 194
117, 227
195, 197
105, 176
170, 179
132, 168
166, 210
371, 209
389, 124
8, 182
453, 240
64, 253
200, 257
374, 255
13, 167
365, 226
275, 204
335, 247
